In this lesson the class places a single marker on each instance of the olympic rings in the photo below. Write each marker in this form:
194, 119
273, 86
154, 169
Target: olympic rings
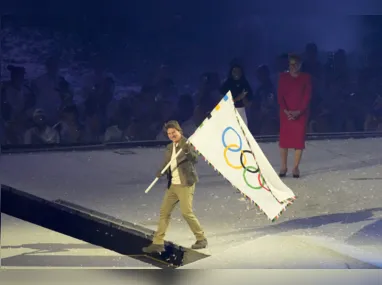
246, 181
243, 160
262, 183
242, 163
240, 141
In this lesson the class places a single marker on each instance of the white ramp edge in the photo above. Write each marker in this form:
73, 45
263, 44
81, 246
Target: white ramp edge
343, 249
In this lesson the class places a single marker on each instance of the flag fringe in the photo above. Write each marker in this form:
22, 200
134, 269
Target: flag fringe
288, 202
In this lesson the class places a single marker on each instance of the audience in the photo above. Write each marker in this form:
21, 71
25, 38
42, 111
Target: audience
44, 112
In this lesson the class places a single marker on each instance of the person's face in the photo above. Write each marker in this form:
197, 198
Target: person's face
236, 73
174, 135
294, 66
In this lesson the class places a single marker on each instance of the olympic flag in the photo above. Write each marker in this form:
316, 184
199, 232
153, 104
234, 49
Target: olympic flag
225, 142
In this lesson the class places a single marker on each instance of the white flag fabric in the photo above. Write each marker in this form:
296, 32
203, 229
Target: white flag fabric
226, 143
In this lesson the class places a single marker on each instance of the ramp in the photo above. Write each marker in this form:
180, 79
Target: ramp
93, 227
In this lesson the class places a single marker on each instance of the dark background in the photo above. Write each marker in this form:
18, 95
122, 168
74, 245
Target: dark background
135, 37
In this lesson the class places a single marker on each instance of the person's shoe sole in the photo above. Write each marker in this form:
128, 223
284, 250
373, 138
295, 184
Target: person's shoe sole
199, 247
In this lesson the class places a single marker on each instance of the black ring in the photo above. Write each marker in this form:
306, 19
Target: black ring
242, 163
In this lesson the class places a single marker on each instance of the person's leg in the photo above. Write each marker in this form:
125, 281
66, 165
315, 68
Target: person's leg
186, 197
297, 160
284, 161
243, 114
169, 201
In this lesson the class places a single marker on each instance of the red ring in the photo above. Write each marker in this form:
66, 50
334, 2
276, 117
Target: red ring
261, 183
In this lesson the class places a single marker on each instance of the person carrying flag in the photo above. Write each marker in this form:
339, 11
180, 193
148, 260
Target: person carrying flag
182, 178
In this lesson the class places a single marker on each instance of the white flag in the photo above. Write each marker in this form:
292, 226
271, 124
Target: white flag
225, 142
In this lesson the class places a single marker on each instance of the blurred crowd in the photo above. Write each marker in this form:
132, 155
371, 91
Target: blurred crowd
43, 110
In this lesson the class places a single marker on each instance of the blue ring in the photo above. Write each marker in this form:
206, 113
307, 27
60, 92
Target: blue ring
225, 145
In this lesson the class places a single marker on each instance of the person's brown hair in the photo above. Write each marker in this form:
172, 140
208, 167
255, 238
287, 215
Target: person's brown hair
172, 125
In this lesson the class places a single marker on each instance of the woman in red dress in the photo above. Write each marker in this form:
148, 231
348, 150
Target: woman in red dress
294, 93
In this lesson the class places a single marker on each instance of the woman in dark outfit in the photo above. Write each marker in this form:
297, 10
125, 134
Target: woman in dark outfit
241, 90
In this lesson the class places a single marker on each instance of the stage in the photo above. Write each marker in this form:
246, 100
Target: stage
339, 198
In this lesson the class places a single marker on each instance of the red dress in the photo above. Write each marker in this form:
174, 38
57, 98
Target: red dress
294, 94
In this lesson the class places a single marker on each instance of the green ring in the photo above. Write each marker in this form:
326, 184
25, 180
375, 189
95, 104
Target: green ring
245, 178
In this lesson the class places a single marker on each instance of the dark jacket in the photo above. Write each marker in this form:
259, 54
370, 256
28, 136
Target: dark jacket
186, 163
237, 87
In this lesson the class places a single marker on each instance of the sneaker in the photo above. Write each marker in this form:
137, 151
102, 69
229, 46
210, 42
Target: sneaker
154, 248
200, 244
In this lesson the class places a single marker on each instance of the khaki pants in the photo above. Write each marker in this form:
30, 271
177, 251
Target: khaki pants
184, 195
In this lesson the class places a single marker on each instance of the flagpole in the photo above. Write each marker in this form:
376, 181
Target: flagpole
163, 171
168, 165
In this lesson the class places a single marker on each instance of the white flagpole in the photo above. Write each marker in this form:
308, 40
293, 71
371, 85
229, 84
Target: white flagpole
168, 164
164, 169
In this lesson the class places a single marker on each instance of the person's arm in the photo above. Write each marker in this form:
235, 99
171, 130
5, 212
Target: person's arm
281, 94
190, 152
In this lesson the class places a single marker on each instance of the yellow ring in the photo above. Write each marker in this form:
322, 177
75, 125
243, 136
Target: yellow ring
227, 161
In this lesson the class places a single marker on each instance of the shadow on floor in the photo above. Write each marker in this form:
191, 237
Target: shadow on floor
369, 235
308, 223
28, 260
51, 247
52, 254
